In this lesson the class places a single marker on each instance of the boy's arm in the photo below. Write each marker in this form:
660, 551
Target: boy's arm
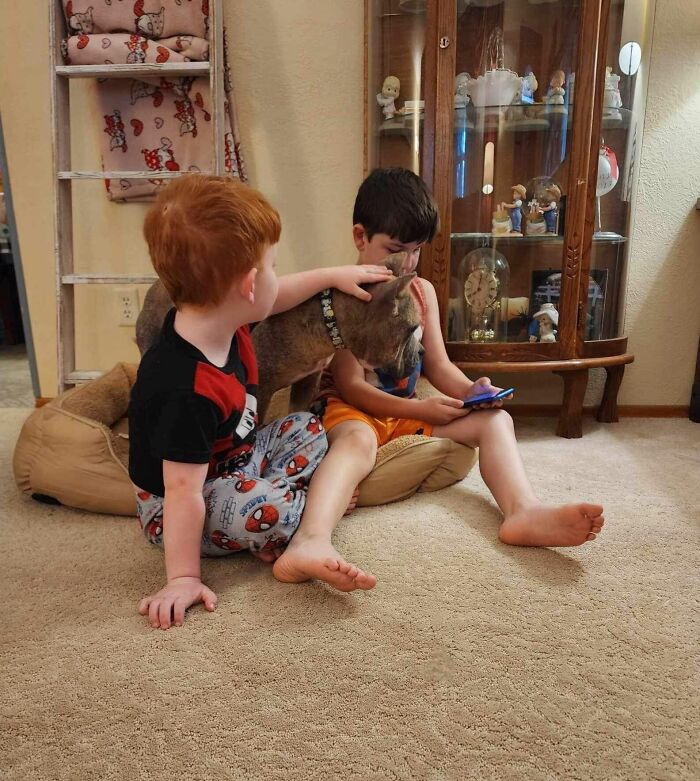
295, 288
437, 367
349, 378
183, 518
183, 521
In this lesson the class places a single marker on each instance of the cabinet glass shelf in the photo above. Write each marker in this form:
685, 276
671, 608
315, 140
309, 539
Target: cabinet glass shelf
497, 117
608, 239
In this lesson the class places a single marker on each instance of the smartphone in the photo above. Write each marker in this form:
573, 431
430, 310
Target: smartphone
486, 397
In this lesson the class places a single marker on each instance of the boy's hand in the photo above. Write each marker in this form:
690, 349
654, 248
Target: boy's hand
481, 386
168, 606
349, 278
440, 410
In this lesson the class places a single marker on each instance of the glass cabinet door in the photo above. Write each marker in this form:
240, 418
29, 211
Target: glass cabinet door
624, 64
395, 105
514, 104
480, 98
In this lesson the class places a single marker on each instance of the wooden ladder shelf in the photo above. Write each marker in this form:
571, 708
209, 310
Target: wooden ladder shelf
60, 76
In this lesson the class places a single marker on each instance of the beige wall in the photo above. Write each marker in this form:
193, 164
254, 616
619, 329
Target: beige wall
298, 74
298, 78
663, 292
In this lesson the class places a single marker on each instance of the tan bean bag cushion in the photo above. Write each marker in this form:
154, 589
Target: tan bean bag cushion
415, 463
75, 450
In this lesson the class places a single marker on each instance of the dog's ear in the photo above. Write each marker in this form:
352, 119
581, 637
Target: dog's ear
391, 290
388, 293
396, 262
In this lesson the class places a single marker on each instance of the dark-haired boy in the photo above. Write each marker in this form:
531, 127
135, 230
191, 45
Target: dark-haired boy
363, 408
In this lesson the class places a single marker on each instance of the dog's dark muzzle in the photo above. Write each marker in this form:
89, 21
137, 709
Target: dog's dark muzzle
407, 363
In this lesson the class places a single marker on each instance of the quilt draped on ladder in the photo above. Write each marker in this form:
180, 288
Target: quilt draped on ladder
159, 124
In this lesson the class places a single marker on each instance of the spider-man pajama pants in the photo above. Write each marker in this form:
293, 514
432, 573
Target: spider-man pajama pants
258, 507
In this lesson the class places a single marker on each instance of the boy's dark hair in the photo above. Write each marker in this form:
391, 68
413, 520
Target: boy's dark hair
397, 202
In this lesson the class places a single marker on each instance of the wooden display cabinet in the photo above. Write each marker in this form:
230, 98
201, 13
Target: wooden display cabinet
581, 133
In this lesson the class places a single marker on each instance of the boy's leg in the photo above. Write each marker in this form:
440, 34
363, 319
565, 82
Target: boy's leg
243, 512
350, 458
526, 520
259, 506
247, 512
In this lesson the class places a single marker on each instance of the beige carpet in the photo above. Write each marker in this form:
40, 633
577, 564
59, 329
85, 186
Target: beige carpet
471, 660
15, 379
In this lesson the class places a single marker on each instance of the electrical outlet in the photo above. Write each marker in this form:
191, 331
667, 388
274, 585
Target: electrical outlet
127, 299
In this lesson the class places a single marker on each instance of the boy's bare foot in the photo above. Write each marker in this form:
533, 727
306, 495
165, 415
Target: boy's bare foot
315, 557
552, 527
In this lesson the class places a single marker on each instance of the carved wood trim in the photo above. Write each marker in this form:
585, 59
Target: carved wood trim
603, 347
577, 232
436, 155
504, 351
599, 82
563, 365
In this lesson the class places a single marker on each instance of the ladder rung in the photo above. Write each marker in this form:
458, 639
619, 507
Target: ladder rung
145, 70
108, 279
121, 174
77, 377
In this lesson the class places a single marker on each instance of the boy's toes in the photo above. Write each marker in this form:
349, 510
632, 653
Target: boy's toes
348, 577
365, 580
590, 537
591, 510
334, 565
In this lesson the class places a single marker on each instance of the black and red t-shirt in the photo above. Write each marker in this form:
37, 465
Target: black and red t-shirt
183, 408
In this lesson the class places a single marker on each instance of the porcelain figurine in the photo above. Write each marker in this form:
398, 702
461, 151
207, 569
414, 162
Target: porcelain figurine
525, 96
611, 97
515, 209
387, 97
546, 319
527, 89
535, 224
550, 211
500, 222
462, 98
555, 94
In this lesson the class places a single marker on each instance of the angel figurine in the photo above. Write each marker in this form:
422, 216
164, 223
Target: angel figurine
528, 88
389, 93
611, 97
546, 319
555, 94
462, 90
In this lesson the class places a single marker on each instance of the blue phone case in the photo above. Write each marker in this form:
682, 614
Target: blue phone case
486, 397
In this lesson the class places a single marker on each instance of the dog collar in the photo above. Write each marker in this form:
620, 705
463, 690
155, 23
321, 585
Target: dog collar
329, 319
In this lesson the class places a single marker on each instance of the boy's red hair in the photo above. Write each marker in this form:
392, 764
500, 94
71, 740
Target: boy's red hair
203, 232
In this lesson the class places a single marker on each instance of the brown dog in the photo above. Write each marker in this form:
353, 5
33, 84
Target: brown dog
294, 346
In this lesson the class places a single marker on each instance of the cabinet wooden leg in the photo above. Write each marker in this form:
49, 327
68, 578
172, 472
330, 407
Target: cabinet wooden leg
575, 383
607, 412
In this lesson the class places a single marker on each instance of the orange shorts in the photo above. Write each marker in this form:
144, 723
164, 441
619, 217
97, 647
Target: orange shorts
386, 429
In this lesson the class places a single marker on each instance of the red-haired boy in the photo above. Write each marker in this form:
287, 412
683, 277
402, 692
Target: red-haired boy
208, 481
